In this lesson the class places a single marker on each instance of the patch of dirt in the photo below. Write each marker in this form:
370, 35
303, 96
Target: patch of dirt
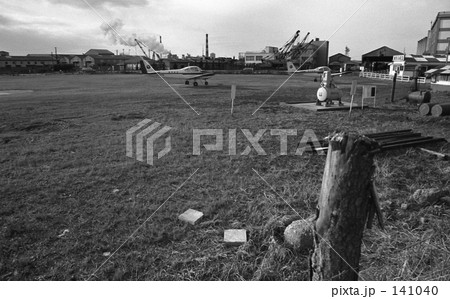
132, 115
42, 126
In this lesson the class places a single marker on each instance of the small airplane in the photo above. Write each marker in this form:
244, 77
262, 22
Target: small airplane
328, 91
189, 73
319, 70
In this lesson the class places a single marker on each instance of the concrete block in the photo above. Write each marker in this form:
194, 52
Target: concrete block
235, 237
191, 216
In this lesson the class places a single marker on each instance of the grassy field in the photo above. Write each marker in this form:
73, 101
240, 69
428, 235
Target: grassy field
70, 197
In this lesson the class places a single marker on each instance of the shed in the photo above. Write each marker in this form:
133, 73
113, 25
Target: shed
379, 59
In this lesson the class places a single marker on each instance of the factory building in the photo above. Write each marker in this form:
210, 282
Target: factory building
256, 57
316, 54
438, 38
318, 51
379, 60
341, 62
102, 60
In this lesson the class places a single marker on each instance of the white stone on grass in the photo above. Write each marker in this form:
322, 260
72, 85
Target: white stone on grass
235, 237
191, 216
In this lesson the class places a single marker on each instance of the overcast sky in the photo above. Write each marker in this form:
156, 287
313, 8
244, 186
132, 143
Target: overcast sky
75, 26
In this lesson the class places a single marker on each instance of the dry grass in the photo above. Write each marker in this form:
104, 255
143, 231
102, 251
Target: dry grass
63, 155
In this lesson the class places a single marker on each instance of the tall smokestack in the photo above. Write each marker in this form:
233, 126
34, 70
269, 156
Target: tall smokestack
207, 48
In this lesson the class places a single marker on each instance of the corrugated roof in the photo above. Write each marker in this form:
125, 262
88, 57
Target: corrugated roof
385, 51
425, 58
443, 70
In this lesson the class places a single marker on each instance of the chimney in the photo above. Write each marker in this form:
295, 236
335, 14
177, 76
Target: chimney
207, 48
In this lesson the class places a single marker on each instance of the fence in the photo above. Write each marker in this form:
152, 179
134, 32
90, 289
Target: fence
390, 77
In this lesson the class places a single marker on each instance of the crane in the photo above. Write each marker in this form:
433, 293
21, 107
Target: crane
289, 51
141, 44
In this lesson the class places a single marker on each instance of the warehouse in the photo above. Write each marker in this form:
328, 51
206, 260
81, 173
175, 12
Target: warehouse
379, 60
405, 65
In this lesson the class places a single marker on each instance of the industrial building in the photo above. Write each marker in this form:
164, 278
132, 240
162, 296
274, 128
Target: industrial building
379, 60
438, 38
341, 62
315, 54
103, 60
407, 65
256, 57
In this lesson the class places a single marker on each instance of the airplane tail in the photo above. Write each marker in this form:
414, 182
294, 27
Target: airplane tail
291, 67
146, 68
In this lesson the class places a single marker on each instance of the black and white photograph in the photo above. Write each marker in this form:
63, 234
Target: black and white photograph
217, 149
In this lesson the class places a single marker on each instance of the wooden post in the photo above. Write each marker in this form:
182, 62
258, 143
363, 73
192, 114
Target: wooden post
394, 80
352, 92
233, 96
343, 208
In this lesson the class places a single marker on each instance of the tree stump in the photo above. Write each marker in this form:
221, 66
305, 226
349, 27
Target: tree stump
343, 208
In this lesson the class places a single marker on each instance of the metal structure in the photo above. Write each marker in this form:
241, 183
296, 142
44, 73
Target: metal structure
289, 51
142, 45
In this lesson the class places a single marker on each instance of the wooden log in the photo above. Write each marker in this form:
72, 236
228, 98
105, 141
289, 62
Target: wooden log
343, 208
425, 109
440, 110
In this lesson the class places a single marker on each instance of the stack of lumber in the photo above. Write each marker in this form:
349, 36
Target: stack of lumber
394, 140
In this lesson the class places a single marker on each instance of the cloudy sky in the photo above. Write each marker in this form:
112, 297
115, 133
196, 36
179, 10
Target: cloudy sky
75, 26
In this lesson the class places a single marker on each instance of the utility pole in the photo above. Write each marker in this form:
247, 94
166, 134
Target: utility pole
448, 49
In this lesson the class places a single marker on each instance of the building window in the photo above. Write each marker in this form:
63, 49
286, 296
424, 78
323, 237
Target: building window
444, 34
259, 57
445, 23
441, 46
250, 58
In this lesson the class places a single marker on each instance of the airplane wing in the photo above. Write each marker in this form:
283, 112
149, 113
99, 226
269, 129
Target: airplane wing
338, 74
205, 75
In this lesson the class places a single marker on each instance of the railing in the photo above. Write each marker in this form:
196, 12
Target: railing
390, 77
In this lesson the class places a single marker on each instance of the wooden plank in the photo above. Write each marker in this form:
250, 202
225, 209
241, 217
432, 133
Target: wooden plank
439, 155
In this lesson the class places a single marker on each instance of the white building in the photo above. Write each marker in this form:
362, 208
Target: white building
405, 65
252, 57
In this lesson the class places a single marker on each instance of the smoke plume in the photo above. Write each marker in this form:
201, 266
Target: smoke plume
112, 32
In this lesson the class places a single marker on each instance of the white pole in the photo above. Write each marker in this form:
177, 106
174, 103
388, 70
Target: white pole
352, 92
233, 96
